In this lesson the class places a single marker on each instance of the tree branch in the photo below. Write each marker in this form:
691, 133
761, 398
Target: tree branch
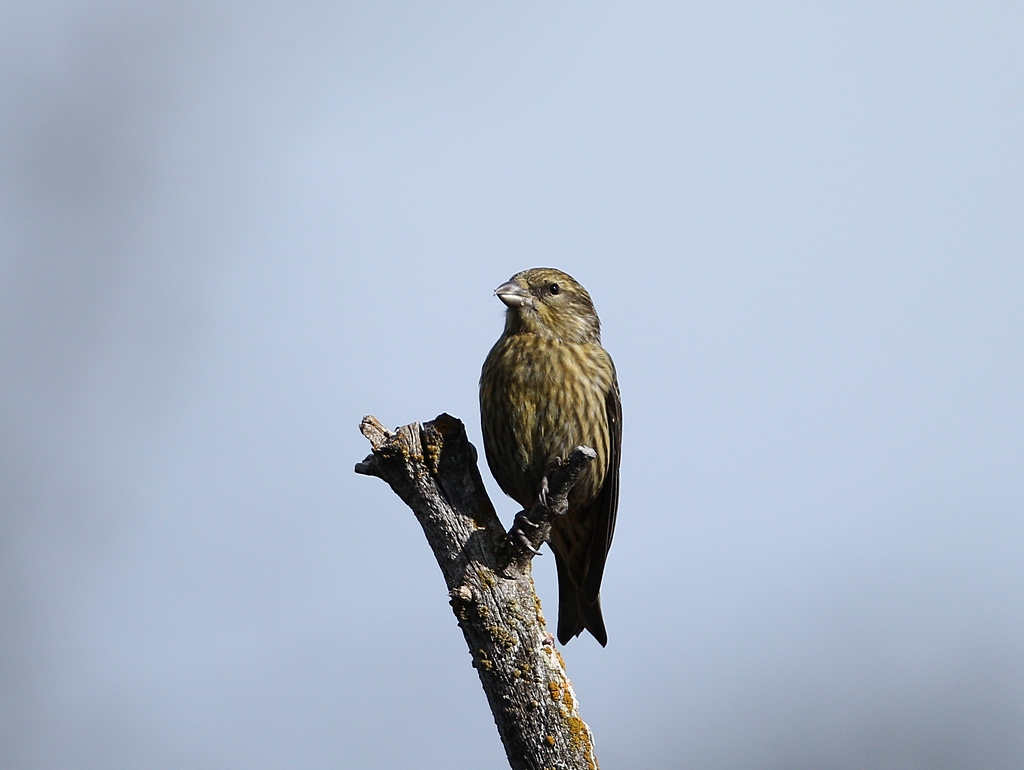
433, 468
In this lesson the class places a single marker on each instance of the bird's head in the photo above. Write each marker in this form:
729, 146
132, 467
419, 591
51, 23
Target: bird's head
549, 303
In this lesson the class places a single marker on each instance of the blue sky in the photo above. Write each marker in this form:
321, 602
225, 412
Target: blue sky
228, 231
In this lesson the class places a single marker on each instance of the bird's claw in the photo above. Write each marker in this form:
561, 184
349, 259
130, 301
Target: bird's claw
523, 518
542, 496
517, 536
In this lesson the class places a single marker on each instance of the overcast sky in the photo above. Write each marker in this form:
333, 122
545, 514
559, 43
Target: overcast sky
230, 230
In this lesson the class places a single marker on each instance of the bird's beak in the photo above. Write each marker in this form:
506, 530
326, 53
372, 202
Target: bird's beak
514, 295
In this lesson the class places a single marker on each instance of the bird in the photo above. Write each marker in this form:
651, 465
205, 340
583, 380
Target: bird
546, 387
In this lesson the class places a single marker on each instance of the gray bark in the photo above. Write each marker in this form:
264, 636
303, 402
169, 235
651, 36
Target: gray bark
433, 468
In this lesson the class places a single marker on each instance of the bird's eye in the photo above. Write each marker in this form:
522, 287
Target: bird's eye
554, 288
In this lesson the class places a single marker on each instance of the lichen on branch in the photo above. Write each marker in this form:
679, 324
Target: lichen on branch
433, 469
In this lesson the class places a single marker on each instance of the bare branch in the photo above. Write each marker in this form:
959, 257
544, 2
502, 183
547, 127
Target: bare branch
433, 468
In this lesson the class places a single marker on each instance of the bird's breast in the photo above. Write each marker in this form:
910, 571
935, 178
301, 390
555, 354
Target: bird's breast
540, 399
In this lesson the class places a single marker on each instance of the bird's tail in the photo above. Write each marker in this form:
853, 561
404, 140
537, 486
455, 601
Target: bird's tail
575, 613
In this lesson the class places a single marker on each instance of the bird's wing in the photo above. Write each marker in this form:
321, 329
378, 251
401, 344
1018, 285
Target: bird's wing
606, 505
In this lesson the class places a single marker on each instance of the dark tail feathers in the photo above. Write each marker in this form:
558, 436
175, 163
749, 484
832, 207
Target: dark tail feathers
575, 613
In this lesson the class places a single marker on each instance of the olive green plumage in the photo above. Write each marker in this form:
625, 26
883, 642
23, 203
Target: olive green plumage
548, 386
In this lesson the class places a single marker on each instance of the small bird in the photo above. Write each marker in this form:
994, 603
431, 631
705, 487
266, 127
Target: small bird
548, 386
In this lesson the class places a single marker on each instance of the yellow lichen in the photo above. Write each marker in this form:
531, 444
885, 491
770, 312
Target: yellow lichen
540, 613
502, 636
486, 577
483, 660
432, 457
579, 740
556, 691
513, 610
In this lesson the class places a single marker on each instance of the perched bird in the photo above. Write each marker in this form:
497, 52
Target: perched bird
546, 387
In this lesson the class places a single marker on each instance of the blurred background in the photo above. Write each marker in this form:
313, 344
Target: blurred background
230, 230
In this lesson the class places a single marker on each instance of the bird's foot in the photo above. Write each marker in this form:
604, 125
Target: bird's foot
517, 535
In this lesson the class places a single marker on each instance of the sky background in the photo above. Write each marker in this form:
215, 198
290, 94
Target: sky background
230, 230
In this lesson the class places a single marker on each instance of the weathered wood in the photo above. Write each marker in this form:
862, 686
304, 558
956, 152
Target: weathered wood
433, 468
